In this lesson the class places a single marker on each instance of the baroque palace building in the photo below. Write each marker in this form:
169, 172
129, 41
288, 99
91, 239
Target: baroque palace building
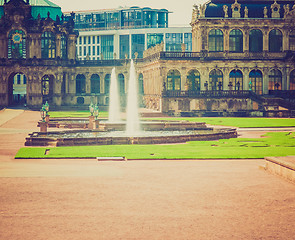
242, 60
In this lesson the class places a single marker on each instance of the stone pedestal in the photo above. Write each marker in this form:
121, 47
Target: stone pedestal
93, 123
43, 127
47, 118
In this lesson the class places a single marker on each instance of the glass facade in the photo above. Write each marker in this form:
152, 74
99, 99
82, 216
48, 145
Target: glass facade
124, 46
107, 47
133, 17
188, 42
17, 44
154, 39
138, 45
173, 42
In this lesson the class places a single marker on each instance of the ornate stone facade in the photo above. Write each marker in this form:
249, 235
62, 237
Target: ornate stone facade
241, 53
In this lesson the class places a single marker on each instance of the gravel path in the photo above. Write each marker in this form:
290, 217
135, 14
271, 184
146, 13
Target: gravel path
86, 199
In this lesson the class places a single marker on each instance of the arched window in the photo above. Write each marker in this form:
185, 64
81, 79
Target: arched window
215, 80
292, 80
63, 47
95, 83
193, 81
140, 84
256, 81
292, 41
275, 80
107, 79
236, 80
121, 79
48, 45
255, 41
215, 40
173, 80
80, 84
275, 41
236, 41
17, 44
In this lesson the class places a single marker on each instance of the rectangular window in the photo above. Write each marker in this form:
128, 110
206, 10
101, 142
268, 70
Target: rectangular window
80, 51
89, 40
174, 41
138, 45
97, 50
188, 42
84, 51
97, 39
154, 39
107, 47
89, 50
93, 39
84, 40
93, 50
80, 40
124, 46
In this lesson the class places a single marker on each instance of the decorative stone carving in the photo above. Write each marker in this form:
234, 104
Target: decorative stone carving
275, 10
286, 10
202, 10
236, 9
265, 12
246, 12
196, 13
225, 10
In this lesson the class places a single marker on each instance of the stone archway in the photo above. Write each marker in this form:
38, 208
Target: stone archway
17, 89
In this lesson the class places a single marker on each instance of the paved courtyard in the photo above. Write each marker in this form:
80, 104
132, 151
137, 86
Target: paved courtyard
86, 199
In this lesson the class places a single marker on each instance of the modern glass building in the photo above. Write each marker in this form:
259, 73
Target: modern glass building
127, 32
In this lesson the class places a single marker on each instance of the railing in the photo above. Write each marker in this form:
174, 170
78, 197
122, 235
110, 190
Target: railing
208, 94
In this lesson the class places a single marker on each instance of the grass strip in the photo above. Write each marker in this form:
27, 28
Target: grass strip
238, 122
274, 144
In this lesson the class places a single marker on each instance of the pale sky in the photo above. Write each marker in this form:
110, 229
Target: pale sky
182, 9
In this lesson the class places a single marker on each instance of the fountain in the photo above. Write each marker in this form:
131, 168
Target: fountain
132, 120
115, 131
114, 107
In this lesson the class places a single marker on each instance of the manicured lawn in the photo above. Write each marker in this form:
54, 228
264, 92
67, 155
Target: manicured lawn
273, 144
64, 114
240, 122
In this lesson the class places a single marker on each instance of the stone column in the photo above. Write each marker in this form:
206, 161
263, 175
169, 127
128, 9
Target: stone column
72, 46
225, 78
57, 90
285, 40
58, 45
265, 73
246, 79
265, 41
34, 45
3, 46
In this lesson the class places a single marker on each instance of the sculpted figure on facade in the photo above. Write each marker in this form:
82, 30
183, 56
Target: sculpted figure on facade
225, 10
